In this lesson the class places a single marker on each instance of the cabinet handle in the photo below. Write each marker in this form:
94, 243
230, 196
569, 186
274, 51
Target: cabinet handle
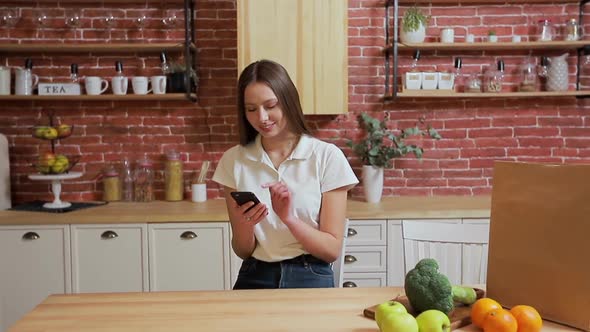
30, 236
349, 284
351, 232
349, 259
188, 235
107, 235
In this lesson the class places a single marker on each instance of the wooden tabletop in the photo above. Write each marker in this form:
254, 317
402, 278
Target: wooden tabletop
405, 207
335, 309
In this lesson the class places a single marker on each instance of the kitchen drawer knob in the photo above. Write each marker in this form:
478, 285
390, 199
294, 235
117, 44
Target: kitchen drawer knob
349, 259
349, 284
351, 232
107, 235
188, 235
30, 236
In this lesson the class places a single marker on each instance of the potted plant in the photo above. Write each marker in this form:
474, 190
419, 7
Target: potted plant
380, 146
492, 38
414, 26
176, 77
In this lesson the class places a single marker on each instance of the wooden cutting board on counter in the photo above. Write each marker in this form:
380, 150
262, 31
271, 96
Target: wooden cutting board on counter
459, 317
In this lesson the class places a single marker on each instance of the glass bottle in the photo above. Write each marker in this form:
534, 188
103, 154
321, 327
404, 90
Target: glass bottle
111, 184
413, 78
164, 64
74, 73
542, 71
459, 79
494, 79
573, 30
143, 180
173, 174
127, 180
528, 76
545, 30
119, 82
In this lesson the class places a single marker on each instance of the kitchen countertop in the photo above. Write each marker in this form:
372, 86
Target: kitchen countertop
404, 207
327, 309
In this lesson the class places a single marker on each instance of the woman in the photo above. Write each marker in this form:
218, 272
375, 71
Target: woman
290, 238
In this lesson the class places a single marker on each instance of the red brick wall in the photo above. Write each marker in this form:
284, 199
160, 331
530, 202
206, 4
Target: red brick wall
475, 132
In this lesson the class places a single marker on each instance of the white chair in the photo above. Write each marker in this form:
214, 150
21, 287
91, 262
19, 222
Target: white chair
461, 249
338, 265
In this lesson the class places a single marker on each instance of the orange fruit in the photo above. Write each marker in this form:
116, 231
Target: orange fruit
500, 320
480, 309
528, 318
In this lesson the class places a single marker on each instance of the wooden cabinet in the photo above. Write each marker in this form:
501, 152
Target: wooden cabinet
189, 256
365, 259
309, 38
35, 262
109, 258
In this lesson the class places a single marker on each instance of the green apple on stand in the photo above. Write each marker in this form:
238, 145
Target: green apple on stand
433, 321
64, 130
387, 308
398, 322
61, 164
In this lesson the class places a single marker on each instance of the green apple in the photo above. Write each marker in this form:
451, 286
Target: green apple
399, 322
64, 130
61, 164
433, 321
387, 308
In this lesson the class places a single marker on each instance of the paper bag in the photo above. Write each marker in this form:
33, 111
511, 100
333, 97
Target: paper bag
539, 249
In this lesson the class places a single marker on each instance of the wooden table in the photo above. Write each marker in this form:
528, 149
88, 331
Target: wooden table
337, 309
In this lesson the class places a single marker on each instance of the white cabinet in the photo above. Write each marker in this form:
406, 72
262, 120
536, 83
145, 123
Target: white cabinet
189, 256
109, 258
459, 246
396, 270
365, 259
34, 263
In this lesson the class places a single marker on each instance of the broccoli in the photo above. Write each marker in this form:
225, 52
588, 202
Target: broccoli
427, 288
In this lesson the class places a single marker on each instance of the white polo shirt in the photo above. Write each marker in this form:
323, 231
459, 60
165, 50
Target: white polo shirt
313, 168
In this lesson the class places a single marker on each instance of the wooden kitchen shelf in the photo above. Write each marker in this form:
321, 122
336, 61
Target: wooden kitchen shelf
105, 97
500, 46
450, 94
103, 1
511, 2
93, 47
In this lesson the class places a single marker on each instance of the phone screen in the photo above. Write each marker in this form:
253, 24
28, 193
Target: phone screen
243, 197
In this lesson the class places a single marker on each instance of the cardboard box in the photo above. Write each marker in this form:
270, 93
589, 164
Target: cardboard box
59, 89
539, 249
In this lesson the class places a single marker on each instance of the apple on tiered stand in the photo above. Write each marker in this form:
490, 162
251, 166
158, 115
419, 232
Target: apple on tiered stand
51, 166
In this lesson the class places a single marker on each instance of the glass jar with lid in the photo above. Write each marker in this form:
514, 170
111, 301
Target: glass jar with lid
572, 29
111, 184
545, 30
143, 180
494, 79
528, 76
173, 174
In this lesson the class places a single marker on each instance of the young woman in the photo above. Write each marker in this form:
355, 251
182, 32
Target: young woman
289, 239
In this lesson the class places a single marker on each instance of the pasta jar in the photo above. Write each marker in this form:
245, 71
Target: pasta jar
111, 184
173, 176
143, 181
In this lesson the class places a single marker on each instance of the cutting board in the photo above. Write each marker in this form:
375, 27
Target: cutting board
459, 317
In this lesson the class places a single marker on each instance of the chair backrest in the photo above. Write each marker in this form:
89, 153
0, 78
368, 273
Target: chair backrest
461, 249
338, 265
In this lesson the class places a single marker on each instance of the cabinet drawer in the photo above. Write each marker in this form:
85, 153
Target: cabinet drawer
189, 256
366, 233
364, 280
109, 258
365, 259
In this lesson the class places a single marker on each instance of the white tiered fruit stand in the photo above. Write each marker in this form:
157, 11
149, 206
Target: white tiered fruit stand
56, 187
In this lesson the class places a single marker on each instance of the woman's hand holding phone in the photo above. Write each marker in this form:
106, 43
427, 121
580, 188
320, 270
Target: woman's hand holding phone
248, 208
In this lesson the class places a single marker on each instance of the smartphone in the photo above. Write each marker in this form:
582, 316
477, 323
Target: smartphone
243, 197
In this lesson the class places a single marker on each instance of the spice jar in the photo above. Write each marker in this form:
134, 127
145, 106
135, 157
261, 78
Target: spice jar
173, 176
143, 180
111, 184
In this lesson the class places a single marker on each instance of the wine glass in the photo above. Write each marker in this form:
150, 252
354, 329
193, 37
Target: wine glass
109, 21
170, 20
140, 21
73, 19
41, 19
10, 17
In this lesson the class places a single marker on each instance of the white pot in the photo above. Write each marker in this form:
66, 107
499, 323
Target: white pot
372, 183
410, 37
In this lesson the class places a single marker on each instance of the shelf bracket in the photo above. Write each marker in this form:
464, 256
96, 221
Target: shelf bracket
189, 53
391, 50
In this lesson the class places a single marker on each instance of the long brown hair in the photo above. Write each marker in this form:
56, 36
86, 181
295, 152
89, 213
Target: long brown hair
277, 79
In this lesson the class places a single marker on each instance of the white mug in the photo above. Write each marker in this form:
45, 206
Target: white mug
140, 85
119, 85
4, 81
470, 38
24, 82
199, 192
447, 35
158, 84
94, 85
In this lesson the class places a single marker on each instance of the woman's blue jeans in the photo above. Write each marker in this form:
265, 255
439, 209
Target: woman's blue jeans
303, 271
